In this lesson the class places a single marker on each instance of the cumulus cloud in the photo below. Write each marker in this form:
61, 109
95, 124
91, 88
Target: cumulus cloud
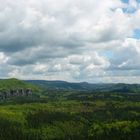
3, 58
70, 40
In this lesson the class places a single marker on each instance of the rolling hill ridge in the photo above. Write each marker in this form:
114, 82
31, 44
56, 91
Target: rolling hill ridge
63, 85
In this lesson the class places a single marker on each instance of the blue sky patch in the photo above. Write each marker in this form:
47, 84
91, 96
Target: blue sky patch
136, 33
129, 10
138, 1
108, 54
125, 1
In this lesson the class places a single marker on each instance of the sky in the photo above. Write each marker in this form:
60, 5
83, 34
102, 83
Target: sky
96, 41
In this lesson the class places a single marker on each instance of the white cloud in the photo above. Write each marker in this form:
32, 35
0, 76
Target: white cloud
3, 58
69, 40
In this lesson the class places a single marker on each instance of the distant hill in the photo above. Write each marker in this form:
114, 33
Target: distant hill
36, 86
6, 84
63, 85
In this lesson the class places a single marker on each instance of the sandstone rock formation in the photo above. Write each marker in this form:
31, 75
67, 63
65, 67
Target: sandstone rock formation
15, 93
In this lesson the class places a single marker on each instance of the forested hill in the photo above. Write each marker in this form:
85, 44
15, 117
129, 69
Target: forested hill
6, 84
63, 85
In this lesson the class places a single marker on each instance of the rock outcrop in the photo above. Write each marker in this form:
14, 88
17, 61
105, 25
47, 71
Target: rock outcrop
15, 93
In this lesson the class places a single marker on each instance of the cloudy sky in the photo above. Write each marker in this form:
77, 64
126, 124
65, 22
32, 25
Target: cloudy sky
73, 40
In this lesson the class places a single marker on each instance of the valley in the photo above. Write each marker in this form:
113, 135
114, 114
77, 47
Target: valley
56, 113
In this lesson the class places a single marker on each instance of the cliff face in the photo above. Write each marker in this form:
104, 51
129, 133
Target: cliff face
14, 93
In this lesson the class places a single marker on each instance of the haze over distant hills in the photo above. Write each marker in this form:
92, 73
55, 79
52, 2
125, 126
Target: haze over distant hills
64, 85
